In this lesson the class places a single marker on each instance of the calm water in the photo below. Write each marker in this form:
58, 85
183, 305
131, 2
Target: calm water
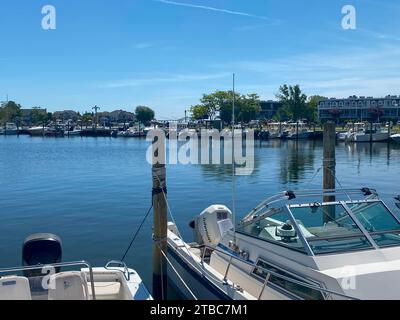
93, 192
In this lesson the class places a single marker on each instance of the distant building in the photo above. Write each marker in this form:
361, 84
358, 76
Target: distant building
66, 115
27, 115
121, 116
360, 108
268, 109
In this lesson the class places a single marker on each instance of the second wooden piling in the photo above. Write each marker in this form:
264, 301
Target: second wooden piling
329, 167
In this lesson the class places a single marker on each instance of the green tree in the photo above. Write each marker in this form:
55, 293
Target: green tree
10, 111
218, 101
246, 106
144, 114
199, 112
294, 102
39, 116
312, 112
87, 117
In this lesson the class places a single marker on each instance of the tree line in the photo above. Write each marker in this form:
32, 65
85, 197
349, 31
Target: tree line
295, 106
11, 111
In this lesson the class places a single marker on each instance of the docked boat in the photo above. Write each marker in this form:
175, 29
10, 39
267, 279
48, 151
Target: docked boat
298, 131
350, 128
274, 130
37, 131
348, 248
130, 134
9, 129
44, 276
363, 134
396, 137
73, 133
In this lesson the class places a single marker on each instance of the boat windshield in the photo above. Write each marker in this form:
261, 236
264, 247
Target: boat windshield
383, 227
329, 228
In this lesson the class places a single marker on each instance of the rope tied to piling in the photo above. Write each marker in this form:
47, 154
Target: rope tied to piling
159, 190
158, 240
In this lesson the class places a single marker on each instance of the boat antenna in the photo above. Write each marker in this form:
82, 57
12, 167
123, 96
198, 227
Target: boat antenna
233, 161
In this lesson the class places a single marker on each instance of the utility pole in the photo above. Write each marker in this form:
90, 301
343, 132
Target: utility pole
159, 195
329, 166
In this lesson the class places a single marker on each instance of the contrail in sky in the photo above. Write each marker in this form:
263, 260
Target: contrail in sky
238, 13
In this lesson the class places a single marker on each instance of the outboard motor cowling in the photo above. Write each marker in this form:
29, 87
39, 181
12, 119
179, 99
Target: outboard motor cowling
41, 249
212, 224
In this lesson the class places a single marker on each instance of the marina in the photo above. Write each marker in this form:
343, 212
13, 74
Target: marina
32, 191
199, 158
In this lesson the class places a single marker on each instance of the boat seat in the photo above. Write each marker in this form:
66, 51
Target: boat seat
15, 288
105, 290
70, 285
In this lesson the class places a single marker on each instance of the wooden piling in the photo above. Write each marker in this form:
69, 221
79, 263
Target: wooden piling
159, 228
329, 164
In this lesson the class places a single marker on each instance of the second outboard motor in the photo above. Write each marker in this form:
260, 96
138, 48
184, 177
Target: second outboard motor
41, 249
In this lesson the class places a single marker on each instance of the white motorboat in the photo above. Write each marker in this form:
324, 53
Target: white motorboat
37, 131
130, 134
396, 137
350, 128
298, 131
274, 130
348, 248
10, 129
44, 277
73, 133
377, 134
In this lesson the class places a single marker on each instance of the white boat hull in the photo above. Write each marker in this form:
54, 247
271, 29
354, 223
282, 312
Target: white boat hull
200, 287
74, 133
274, 135
366, 137
205, 283
396, 138
37, 131
300, 135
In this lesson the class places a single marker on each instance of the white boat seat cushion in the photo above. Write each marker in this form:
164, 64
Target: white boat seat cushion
15, 288
105, 290
68, 286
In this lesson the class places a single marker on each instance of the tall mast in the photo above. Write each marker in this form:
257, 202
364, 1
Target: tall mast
233, 161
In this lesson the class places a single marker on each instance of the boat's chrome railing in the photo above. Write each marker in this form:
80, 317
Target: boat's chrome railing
54, 265
119, 263
367, 193
268, 274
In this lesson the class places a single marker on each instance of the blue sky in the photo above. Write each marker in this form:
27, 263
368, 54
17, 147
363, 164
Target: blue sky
165, 54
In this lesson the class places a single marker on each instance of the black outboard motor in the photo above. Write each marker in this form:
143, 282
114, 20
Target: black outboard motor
41, 248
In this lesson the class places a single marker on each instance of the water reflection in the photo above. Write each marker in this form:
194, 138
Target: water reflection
295, 159
372, 151
300, 157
